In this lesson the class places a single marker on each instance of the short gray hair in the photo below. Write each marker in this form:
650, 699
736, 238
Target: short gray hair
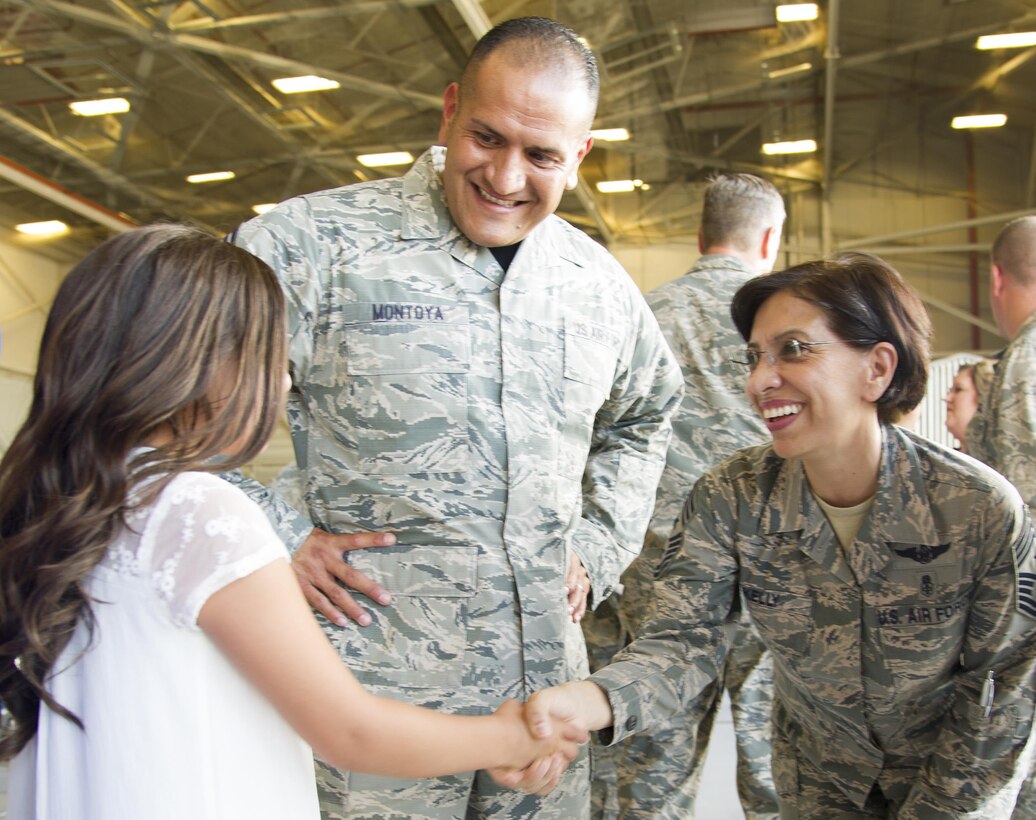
738, 209
1014, 250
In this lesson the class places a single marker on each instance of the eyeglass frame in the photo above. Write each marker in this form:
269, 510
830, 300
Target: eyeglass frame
773, 359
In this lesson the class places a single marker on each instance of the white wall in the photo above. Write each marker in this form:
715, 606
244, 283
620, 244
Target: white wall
28, 281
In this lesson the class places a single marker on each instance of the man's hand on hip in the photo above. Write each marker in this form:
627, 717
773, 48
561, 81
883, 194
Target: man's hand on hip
320, 564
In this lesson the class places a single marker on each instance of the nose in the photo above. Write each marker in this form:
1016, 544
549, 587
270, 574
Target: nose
507, 172
766, 376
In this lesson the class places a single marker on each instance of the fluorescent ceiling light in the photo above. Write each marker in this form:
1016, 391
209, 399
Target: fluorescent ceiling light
797, 12
214, 176
610, 134
264, 207
777, 73
310, 82
979, 121
621, 186
790, 147
1017, 39
52, 227
95, 108
389, 158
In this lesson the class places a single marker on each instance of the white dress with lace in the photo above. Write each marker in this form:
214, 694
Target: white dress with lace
172, 730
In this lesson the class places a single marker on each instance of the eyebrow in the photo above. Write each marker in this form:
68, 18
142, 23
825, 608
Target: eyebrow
793, 333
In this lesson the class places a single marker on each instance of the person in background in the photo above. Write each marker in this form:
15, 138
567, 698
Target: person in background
658, 774
1002, 433
961, 403
148, 610
486, 381
890, 578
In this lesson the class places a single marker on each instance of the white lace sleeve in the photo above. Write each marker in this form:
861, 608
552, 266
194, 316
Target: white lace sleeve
203, 534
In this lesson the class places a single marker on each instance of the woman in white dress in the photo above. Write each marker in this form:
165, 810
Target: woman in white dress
157, 658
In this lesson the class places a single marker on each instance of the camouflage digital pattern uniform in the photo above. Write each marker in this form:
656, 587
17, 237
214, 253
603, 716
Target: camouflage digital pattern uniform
879, 658
658, 774
1002, 433
494, 423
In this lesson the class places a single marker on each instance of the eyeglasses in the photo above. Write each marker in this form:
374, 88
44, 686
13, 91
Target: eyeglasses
791, 351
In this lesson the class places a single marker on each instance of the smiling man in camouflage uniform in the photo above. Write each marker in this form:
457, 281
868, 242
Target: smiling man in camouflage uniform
484, 380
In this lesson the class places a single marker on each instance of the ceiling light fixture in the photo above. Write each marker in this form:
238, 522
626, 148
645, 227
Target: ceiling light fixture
610, 134
309, 82
52, 227
797, 12
1016, 39
97, 108
621, 186
790, 147
979, 121
264, 207
777, 73
388, 158
213, 176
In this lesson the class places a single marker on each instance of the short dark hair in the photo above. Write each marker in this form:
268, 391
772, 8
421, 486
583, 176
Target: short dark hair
539, 40
864, 299
737, 209
1014, 250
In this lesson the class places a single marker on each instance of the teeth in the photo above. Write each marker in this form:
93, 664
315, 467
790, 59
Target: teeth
777, 412
508, 203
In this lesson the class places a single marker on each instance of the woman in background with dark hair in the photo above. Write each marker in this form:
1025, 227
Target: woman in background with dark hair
890, 578
156, 653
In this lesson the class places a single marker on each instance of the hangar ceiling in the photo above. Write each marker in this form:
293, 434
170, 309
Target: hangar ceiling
699, 84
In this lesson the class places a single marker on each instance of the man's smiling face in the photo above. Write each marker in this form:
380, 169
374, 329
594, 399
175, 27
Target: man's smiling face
514, 139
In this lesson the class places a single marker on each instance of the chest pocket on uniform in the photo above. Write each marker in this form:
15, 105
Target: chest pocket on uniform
784, 621
590, 360
405, 402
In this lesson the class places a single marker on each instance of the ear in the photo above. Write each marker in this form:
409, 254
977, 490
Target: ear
882, 360
450, 104
997, 280
771, 244
573, 175
701, 242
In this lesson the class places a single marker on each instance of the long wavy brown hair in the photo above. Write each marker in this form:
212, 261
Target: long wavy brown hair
162, 334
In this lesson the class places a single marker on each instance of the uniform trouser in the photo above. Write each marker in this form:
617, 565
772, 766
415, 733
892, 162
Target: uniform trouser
468, 796
454, 651
658, 774
806, 792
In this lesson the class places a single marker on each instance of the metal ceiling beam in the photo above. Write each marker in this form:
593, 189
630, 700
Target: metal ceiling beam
51, 191
59, 150
296, 15
831, 74
152, 36
930, 229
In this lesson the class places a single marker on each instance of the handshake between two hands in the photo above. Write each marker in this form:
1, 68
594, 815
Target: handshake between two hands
553, 728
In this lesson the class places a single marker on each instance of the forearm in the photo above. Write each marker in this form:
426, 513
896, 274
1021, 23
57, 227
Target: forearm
388, 737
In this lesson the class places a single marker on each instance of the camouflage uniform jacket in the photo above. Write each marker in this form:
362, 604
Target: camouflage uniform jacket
879, 662
1002, 433
715, 418
465, 409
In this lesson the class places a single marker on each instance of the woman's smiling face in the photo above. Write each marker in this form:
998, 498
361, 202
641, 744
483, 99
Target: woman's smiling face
816, 403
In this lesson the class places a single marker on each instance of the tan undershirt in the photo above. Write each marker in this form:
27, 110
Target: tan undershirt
845, 521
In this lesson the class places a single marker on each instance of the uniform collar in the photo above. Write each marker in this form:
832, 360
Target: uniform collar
721, 261
1026, 328
901, 513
